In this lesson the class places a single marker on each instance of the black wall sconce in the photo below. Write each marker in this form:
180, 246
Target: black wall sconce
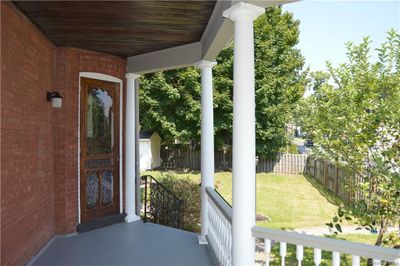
55, 99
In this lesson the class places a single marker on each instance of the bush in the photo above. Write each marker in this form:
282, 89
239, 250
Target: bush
291, 148
189, 192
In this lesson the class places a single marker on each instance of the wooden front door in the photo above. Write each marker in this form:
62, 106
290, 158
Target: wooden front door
99, 157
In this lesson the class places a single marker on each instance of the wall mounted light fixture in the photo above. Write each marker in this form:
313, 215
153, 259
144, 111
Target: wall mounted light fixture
55, 99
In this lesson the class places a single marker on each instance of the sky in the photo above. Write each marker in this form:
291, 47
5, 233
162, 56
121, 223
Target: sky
325, 27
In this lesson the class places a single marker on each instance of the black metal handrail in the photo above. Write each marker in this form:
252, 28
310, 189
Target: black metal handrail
161, 206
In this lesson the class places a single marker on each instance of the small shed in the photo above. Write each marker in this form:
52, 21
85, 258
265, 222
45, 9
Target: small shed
149, 147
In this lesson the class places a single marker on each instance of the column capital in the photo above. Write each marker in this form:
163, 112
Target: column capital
243, 9
205, 64
132, 75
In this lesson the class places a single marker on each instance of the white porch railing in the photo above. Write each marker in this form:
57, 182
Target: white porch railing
220, 240
337, 247
219, 234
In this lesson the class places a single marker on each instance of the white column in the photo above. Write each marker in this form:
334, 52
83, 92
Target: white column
244, 152
130, 173
207, 143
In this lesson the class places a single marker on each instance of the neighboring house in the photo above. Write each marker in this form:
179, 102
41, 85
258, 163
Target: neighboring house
149, 147
69, 152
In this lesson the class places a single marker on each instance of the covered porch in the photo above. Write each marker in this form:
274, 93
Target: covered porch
145, 243
135, 243
228, 234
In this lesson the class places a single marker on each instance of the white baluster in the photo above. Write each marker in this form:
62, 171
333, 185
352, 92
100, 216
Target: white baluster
299, 254
376, 262
335, 259
224, 239
227, 249
355, 260
267, 251
230, 244
282, 252
218, 237
317, 256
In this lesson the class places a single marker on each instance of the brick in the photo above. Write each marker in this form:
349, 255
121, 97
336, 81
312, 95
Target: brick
39, 167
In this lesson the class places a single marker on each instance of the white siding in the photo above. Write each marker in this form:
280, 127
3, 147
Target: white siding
145, 154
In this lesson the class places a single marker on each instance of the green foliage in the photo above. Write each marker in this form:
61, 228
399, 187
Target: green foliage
188, 191
342, 215
290, 148
354, 119
280, 82
303, 207
169, 101
170, 104
223, 106
392, 240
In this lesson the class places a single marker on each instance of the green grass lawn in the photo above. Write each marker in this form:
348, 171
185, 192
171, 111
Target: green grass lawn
291, 201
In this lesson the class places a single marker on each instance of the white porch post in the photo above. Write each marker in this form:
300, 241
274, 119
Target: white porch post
207, 142
130, 172
244, 153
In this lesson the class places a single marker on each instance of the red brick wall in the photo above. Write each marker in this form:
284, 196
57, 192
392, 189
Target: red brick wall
27, 138
39, 152
69, 62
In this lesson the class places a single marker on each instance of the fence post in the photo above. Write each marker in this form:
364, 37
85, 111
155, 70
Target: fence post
315, 167
336, 180
325, 163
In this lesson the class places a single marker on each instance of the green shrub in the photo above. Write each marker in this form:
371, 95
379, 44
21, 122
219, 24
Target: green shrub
189, 192
292, 148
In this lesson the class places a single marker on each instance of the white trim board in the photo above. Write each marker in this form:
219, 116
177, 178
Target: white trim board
217, 35
104, 77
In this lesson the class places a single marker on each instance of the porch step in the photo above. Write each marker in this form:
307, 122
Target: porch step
102, 222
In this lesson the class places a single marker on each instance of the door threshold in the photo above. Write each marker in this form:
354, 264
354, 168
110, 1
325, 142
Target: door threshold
101, 222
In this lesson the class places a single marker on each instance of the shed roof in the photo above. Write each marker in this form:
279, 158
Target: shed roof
146, 134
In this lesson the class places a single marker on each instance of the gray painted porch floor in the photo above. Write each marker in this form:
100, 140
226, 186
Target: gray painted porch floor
135, 243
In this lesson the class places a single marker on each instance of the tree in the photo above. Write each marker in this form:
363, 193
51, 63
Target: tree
280, 83
223, 106
354, 118
170, 104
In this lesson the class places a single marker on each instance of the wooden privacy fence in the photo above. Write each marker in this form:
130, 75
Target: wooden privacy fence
327, 173
333, 179
180, 158
285, 163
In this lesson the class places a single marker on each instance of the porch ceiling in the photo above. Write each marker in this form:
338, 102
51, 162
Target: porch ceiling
124, 28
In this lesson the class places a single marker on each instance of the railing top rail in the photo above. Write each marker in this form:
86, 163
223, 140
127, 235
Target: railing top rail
221, 203
334, 245
166, 189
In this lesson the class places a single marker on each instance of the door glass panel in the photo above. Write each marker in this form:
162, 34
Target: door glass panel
100, 120
107, 191
92, 190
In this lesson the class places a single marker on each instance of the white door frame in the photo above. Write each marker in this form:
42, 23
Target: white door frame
104, 77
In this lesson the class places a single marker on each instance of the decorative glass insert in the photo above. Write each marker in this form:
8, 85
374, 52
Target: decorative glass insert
107, 188
92, 190
100, 122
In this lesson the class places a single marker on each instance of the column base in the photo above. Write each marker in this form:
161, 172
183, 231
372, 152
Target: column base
202, 240
131, 218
